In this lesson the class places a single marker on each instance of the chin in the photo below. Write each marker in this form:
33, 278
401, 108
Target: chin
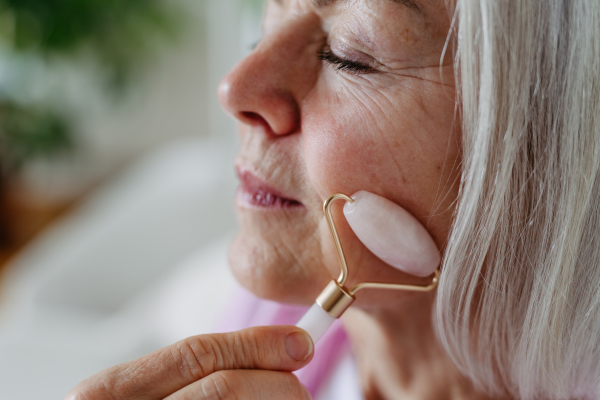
276, 259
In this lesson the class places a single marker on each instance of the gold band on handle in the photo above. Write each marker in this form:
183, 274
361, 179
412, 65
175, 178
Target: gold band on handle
335, 299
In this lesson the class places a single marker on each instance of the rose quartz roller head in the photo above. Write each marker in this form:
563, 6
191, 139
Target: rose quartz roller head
389, 232
392, 234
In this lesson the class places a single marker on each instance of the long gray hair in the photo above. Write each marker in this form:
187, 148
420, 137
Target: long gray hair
518, 302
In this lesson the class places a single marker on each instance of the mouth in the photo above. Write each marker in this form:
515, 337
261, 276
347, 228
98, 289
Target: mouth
256, 193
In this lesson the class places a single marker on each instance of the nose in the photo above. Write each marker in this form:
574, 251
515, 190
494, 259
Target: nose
266, 89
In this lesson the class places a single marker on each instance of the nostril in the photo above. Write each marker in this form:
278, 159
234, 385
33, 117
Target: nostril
255, 119
278, 122
252, 116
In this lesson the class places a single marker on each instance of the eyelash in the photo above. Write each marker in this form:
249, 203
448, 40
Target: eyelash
341, 64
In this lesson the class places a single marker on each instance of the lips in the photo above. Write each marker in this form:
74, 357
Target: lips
256, 193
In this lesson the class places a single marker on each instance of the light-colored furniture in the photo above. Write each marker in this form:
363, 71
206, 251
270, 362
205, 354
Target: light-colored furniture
139, 265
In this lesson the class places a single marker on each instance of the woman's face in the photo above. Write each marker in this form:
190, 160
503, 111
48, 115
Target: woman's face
340, 96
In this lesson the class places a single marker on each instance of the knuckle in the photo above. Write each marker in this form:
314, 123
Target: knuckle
199, 356
195, 357
248, 348
235, 350
220, 386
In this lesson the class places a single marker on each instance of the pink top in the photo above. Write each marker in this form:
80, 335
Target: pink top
248, 310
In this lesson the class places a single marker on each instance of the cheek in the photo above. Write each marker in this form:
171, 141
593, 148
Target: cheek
385, 150
392, 144
338, 158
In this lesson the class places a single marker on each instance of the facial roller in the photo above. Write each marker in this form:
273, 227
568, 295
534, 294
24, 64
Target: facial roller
389, 232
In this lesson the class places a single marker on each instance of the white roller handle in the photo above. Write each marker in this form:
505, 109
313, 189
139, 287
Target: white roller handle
316, 321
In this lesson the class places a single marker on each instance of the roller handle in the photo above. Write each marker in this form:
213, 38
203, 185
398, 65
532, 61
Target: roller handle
316, 321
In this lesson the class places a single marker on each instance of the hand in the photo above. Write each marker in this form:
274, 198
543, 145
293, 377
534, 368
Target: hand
253, 363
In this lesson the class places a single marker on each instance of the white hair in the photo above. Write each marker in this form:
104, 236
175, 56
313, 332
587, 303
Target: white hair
518, 300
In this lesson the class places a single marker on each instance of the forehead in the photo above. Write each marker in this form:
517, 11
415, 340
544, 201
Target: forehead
326, 3
436, 14
428, 19
412, 4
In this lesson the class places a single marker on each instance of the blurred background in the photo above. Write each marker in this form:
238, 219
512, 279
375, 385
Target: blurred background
116, 180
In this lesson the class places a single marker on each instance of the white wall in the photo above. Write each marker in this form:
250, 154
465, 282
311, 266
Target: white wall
177, 98
110, 282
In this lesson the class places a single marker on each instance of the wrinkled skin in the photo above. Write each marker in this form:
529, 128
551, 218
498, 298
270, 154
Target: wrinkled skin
310, 131
386, 123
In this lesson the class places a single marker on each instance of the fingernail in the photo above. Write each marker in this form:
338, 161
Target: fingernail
298, 346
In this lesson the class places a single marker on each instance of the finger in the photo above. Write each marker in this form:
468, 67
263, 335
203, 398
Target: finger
241, 384
159, 374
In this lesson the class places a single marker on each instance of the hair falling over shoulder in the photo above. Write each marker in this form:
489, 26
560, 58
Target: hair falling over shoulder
518, 301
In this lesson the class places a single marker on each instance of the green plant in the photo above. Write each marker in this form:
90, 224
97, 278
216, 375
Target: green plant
120, 36
30, 133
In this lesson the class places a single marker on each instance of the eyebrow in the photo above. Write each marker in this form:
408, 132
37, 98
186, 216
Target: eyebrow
408, 3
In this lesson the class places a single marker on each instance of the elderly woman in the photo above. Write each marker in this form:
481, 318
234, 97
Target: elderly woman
482, 119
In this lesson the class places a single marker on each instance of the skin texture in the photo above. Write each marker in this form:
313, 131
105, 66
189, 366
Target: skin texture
309, 130
221, 366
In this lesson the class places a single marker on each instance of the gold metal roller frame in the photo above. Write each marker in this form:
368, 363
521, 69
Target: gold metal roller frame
336, 298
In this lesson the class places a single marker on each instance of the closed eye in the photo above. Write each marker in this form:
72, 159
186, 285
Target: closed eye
341, 64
